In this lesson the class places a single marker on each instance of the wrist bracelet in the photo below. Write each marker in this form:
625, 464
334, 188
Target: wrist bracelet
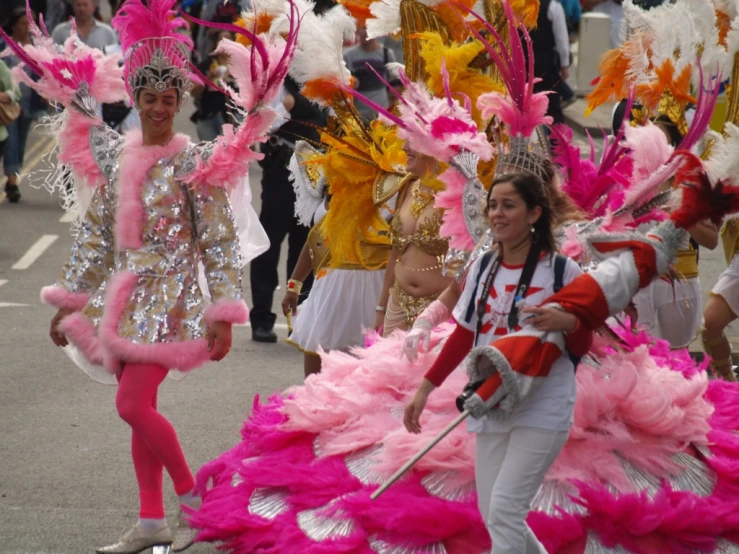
294, 285
380, 309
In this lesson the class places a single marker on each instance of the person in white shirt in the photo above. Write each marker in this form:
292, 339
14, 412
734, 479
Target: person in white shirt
90, 31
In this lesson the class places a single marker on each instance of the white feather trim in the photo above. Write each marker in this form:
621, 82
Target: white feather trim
724, 160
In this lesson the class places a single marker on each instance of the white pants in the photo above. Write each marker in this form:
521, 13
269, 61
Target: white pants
509, 468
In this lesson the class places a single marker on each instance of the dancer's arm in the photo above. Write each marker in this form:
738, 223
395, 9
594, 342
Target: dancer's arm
385, 293
303, 268
705, 234
220, 254
457, 346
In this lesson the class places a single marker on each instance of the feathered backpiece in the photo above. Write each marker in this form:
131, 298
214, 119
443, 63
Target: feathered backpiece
435, 127
156, 52
61, 70
662, 59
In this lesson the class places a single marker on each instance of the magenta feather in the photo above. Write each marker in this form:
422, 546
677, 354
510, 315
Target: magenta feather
135, 22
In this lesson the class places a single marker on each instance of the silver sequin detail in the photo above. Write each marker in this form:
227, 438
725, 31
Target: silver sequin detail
361, 464
556, 494
641, 480
697, 477
473, 196
445, 484
704, 450
326, 522
382, 547
268, 502
105, 145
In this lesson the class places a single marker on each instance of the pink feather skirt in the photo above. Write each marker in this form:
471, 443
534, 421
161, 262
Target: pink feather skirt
651, 465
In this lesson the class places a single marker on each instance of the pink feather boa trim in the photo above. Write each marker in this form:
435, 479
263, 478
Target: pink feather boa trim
61, 298
136, 162
232, 311
184, 355
77, 132
80, 330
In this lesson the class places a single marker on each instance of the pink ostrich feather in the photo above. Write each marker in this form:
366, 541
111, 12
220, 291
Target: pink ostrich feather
76, 132
588, 184
62, 71
450, 200
232, 152
157, 19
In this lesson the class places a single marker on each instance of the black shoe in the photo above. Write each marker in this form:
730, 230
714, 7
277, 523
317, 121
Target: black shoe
13, 193
262, 334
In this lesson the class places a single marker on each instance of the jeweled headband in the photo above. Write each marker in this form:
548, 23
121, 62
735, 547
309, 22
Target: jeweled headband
158, 64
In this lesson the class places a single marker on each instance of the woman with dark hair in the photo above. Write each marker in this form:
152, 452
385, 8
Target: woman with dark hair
32, 107
513, 454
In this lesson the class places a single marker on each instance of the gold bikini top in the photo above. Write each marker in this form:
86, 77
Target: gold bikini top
426, 237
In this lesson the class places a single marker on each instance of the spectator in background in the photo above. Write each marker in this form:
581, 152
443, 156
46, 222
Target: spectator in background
90, 31
32, 107
369, 52
216, 11
212, 109
551, 53
9, 93
277, 215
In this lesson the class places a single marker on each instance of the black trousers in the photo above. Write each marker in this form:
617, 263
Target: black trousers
547, 68
279, 221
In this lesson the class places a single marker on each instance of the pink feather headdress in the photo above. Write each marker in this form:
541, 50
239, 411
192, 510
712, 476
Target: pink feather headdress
155, 51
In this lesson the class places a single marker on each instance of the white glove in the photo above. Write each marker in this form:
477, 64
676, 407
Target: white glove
418, 337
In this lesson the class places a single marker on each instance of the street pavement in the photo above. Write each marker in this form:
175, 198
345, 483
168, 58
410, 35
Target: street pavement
66, 480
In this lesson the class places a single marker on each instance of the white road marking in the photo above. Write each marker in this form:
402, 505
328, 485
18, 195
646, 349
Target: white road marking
11, 305
3, 281
68, 217
35, 251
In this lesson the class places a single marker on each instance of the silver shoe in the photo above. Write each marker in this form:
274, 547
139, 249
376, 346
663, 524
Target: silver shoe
184, 535
136, 540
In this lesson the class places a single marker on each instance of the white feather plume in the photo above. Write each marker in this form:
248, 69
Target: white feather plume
724, 160
385, 18
319, 52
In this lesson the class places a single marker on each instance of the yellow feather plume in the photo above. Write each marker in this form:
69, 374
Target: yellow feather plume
458, 59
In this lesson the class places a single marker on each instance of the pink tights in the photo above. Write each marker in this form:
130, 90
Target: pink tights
154, 443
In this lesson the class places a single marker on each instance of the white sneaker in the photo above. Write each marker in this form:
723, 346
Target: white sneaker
136, 540
184, 535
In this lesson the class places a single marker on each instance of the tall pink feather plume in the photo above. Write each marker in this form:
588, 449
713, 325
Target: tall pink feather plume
232, 152
450, 200
522, 110
136, 22
703, 110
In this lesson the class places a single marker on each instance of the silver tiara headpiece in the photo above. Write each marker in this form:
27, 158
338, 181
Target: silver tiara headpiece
523, 156
158, 64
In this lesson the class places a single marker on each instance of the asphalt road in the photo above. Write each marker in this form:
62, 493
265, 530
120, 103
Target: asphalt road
66, 479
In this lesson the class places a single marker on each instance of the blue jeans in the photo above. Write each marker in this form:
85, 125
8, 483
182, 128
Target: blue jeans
15, 146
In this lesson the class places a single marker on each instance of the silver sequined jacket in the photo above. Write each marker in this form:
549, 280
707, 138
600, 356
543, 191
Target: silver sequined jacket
132, 276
